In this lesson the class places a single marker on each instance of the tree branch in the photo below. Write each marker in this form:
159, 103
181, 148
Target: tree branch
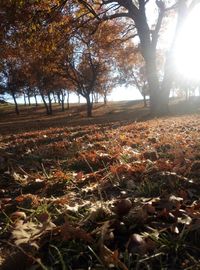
113, 16
106, 2
89, 8
155, 35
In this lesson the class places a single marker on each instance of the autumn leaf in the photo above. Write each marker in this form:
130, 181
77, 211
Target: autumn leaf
70, 232
30, 232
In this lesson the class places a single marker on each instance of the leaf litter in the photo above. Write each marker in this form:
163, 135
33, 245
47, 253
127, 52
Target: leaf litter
102, 197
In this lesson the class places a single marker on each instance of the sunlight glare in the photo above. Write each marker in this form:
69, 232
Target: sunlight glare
187, 52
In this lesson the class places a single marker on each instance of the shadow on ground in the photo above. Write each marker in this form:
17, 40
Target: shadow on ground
123, 112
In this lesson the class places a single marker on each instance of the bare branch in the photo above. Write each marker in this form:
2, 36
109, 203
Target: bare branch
89, 8
146, 1
130, 37
129, 29
114, 16
155, 34
106, 2
171, 7
130, 6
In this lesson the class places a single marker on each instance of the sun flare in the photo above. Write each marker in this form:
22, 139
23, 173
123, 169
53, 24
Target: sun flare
187, 52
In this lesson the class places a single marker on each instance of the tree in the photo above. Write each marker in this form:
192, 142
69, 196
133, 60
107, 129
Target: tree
140, 81
33, 40
60, 44
132, 71
10, 82
83, 77
135, 13
92, 60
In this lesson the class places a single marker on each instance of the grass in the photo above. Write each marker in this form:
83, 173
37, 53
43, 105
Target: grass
90, 197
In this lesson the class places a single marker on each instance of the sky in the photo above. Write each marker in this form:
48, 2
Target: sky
187, 52
119, 93
125, 93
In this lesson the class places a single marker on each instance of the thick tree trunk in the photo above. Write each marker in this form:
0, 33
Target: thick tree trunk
149, 54
89, 106
145, 101
167, 82
168, 79
159, 96
45, 103
143, 93
154, 87
16, 105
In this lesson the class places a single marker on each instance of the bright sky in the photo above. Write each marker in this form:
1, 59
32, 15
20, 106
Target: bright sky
119, 93
187, 53
125, 93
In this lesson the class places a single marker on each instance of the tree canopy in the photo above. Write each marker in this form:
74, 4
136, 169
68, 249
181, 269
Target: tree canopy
83, 46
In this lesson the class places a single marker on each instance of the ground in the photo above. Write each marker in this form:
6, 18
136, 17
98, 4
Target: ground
116, 191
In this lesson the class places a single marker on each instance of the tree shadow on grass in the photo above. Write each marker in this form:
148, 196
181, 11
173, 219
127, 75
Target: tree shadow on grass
115, 113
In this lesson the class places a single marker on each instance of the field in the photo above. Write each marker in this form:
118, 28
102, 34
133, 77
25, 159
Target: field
116, 191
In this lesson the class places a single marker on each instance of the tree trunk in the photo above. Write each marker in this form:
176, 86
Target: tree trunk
29, 100
186, 94
96, 97
149, 55
63, 101
105, 98
143, 93
50, 103
54, 97
16, 105
168, 79
68, 100
167, 82
45, 103
59, 99
159, 96
148, 52
36, 103
145, 101
79, 99
93, 97
63, 105
154, 88
25, 99
89, 106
